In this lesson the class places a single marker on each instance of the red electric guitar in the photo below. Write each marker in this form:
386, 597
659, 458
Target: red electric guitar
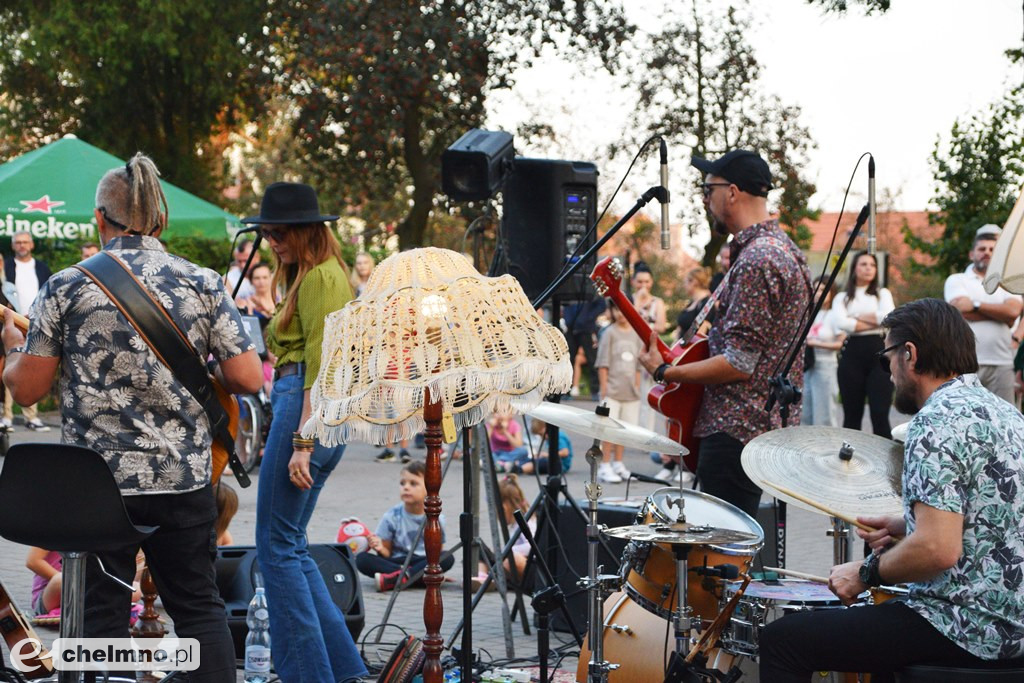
679, 403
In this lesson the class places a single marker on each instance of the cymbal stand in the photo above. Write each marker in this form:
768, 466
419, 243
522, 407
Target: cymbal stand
596, 583
842, 544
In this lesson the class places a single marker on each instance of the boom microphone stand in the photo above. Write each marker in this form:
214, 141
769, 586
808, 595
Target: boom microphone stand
782, 389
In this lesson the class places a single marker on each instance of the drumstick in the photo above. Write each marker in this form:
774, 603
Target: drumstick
828, 511
797, 575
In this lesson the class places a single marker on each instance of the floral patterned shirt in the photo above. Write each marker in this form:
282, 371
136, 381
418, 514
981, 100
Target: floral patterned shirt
116, 395
965, 454
761, 310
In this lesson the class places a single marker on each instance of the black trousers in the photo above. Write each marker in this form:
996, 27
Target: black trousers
877, 639
369, 564
721, 474
861, 376
181, 557
585, 340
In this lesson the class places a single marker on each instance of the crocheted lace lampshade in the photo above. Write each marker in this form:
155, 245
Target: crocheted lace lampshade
427, 318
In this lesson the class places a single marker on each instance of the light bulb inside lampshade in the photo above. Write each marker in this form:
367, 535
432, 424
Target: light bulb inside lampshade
428, 326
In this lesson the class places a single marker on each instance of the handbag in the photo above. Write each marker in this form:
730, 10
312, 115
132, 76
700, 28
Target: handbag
172, 347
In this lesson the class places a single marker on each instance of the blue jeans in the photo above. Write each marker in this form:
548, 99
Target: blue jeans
304, 649
516, 455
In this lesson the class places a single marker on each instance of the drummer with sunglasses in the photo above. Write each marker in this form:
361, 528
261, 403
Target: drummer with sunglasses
960, 540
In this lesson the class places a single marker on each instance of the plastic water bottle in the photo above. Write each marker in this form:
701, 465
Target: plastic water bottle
257, 643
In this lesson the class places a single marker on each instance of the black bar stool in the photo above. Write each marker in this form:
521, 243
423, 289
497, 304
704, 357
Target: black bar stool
64, 498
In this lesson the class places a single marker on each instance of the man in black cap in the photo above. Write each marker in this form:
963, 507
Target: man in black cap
761, 303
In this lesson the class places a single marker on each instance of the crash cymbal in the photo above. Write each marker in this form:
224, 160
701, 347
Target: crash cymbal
807, 461
604, 428
680, 533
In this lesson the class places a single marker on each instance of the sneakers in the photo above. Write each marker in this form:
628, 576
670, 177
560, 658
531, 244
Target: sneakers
36, 425
6, 424
386, 455
667, 475
386, 582
405, 457
607, 475
574, 392
620, 469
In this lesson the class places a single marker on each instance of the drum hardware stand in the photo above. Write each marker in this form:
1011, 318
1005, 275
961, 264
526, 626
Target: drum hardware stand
596, 583
842, 544
782, 390
545, 601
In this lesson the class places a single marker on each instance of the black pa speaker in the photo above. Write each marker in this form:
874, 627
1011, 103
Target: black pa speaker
548, 207
237, 568
572, 556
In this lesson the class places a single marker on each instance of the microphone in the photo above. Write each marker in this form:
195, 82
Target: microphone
871, 204
665, 242
647, 479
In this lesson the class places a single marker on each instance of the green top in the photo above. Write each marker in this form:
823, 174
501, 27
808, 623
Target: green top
323, 290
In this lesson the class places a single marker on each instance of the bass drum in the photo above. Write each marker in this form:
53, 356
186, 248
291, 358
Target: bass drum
640, 643
649, 569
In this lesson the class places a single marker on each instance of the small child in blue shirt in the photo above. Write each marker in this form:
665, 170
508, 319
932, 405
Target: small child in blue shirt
396, 533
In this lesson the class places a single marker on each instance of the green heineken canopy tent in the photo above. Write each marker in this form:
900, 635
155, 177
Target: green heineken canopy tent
51, 192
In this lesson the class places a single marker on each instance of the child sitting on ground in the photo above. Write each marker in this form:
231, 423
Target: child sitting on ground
48, 579
512, 499
227, 506
538, 438
396, 533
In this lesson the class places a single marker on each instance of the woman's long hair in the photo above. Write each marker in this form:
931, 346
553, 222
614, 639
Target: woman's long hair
851, 282
312, 244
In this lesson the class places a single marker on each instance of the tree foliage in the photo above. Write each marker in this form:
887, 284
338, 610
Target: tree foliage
978, 176
700, 87
385, 86
160, 76
841, 6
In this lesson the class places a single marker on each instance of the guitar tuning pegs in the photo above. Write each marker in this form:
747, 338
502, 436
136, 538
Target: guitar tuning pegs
616, 267
601, 287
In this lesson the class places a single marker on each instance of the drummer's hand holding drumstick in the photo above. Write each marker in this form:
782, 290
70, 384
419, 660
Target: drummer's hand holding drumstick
888, 528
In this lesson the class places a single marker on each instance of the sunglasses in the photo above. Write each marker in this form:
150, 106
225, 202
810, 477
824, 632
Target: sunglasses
272, 234
883, 360
707, 187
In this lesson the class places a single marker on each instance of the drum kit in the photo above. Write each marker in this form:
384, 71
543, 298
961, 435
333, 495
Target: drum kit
686, 573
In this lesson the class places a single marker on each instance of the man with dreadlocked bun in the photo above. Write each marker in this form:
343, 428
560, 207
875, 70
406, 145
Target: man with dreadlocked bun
118, 398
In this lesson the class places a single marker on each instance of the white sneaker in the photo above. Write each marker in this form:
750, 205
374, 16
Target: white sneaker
6, 424
607, 475
620, 469
685, 477
667, 475
36, 425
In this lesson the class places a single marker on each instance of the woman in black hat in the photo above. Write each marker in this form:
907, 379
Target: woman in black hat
308, 636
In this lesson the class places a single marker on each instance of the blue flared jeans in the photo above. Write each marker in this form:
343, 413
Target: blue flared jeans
309, 640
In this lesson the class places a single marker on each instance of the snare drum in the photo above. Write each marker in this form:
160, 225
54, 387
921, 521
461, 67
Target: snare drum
763, 603
649, 569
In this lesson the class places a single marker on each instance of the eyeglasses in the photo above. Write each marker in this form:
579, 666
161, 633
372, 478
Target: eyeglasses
706, 187
883, 360
272, 234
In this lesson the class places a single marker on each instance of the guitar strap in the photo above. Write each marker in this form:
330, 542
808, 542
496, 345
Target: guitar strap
706, 310
168, 342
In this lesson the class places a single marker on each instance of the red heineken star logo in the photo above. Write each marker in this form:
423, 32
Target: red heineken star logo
42, 205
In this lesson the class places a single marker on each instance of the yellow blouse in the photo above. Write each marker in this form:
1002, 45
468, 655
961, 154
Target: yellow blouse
323, 290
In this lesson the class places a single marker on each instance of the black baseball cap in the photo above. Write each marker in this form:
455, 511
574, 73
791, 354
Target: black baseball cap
741, 167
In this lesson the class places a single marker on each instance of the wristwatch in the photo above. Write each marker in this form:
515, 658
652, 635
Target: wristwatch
869, 570
977, 305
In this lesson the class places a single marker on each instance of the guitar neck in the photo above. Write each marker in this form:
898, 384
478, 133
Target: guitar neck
20, 321
637, 322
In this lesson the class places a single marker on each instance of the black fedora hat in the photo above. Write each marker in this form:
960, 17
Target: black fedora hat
285, 203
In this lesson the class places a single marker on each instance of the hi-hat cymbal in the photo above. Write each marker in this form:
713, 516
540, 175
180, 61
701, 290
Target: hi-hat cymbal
807, 461
680, 533
604, 428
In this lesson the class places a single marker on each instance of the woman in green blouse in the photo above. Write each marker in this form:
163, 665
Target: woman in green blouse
308, 636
